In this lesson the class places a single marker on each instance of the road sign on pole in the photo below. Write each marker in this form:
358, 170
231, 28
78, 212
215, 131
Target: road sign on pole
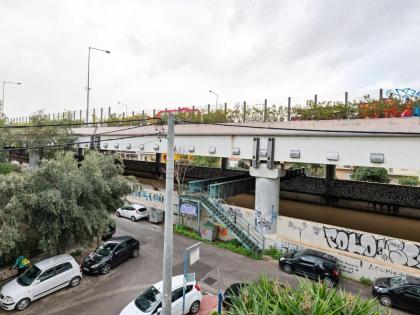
191, 256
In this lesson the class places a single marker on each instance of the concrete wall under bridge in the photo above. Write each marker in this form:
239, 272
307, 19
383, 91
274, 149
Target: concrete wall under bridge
360, 254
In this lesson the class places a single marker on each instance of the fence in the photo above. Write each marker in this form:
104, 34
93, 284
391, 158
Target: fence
396, 103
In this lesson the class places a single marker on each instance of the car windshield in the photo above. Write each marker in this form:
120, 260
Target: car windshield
106, 249
148, 299
29, 276
397, 281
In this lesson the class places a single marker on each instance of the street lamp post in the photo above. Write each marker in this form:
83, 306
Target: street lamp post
126, 108
217, 97
2, 105
88, 81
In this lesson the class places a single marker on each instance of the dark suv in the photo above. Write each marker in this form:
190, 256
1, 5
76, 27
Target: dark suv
312, 264
402, 292
110, 254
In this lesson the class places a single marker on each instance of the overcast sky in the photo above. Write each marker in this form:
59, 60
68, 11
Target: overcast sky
170, 53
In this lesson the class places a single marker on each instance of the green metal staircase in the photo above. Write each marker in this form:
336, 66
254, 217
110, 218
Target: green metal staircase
245, 233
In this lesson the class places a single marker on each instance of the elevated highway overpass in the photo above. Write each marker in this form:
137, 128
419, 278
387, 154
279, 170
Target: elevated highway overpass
389, 143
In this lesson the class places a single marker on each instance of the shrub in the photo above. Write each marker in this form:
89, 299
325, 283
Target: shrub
370, 174
409, 181
6, 168
266, 296
366, 281
273, 253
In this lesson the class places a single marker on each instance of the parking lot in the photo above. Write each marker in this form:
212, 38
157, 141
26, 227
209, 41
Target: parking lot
109, 294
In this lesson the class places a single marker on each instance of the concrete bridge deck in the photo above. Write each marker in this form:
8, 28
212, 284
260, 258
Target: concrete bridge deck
338, 142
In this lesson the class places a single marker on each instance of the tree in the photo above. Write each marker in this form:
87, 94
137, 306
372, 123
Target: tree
59, 204
265, 297
37, 136
370, 174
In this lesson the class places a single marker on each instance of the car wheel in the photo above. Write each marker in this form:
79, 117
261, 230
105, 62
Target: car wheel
287, 268
195, 307
118, 214
106, 269
133, 219
22, 304
328, 282
135, 253
385, 300
74, 282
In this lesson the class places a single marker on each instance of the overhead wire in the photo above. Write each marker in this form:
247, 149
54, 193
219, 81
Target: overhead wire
77, 143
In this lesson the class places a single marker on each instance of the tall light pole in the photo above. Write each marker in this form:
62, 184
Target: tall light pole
126, 108
168, 236
2, 105
88, 83
217, 97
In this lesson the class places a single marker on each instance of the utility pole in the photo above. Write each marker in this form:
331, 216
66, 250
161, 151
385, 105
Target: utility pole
168, 237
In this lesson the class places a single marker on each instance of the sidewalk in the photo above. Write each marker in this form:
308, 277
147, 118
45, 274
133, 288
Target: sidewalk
208, 304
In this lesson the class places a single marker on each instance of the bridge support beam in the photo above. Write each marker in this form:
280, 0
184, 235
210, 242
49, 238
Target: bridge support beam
330, 172
224, 164
267, 197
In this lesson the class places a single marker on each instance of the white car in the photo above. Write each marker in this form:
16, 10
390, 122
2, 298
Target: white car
150, 300
134, 212
41, 279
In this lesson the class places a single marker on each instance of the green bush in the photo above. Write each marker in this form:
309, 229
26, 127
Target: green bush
273, 253
266, 297
6, 168
370, 174
366, 281
409, 181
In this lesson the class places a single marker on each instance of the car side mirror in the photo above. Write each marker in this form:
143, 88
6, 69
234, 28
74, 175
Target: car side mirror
37, 281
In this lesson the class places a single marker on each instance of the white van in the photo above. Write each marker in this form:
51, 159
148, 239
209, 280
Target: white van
41, 279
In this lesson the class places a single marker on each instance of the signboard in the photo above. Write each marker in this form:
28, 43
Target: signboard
194, 255
189, 208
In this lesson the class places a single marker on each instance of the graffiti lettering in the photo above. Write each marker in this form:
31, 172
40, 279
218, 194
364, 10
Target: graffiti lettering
149, 196
286, 247
395, 251
403, 94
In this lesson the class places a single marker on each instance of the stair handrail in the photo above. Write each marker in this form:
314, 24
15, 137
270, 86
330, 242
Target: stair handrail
244, 225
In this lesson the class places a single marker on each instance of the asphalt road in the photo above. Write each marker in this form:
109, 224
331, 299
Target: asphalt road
110, 293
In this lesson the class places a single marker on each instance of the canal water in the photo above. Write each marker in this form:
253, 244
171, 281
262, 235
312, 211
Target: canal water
404, 228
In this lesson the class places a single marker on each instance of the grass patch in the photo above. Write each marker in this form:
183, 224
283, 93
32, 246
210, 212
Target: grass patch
273, 253
6, 168
366, 281
232, 245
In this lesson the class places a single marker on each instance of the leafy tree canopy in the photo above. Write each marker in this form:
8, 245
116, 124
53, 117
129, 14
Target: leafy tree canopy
59, 204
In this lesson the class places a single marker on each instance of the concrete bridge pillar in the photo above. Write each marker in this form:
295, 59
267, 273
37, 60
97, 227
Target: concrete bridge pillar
224, 164
330, 172
267, 197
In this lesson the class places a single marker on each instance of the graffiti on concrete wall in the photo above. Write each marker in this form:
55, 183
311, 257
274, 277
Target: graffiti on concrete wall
261, 223
392, 250
233, 212
150, 196
286, 247
403, 94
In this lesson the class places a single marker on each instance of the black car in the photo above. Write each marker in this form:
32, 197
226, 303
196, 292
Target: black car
402, 292
233, 290
312, 264
110, 254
